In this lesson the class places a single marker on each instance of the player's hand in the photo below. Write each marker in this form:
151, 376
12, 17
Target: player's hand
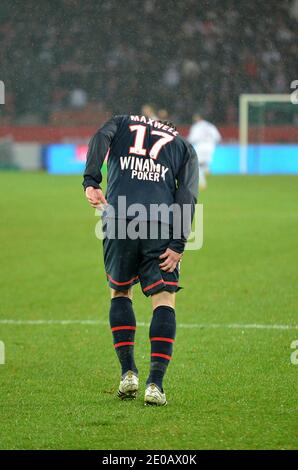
170, 260
95, 197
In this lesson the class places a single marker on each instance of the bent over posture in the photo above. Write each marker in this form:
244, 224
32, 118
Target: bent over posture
152, 171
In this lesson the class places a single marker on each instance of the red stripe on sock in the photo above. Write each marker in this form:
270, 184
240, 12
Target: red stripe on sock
121, 283
167, 340
124, 327
124, 343
164, 356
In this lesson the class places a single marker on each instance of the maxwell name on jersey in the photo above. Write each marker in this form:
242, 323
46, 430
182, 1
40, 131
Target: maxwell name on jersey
156, 124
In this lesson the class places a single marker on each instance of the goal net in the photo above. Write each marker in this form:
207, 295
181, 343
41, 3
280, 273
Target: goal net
268, 134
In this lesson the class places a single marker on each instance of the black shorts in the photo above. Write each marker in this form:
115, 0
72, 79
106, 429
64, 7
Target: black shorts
129, 261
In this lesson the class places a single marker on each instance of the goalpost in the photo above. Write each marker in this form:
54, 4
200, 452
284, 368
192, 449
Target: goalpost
245, 101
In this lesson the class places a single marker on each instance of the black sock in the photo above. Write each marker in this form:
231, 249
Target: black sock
162, 335
123, 325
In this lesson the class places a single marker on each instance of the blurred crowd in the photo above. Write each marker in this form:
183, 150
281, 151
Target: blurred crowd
111, 56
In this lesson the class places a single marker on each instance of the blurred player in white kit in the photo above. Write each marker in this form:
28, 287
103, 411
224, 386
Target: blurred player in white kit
204, 137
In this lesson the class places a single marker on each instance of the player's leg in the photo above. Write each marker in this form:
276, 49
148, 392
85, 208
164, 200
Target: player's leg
203, 178
123, 326
121, 260
161, 286
163, 298
116, 293
162, 336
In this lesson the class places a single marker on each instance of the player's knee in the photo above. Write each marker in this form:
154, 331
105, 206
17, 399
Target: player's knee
163, 298
125, 293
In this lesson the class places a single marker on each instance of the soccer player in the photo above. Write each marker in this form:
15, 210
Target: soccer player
204, 136
149, 111
149, 165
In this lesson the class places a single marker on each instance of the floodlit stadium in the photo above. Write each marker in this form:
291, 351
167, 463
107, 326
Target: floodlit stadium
222, 77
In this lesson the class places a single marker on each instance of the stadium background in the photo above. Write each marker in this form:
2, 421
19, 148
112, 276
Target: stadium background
68, 65
113, 57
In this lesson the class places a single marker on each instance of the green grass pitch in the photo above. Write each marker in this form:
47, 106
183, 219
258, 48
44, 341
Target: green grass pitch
227, 388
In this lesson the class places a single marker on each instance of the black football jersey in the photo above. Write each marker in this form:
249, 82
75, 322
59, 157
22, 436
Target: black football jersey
148, 162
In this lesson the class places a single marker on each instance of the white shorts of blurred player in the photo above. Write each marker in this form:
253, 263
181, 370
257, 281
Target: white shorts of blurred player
205, 153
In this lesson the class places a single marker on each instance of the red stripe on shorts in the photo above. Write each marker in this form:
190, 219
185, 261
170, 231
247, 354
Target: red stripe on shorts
122, 283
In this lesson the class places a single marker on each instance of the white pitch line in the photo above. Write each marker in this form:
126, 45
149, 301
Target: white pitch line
236, 326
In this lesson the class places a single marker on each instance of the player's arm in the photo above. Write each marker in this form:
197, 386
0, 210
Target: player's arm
186, 194
217, 136
193, 135
97, 150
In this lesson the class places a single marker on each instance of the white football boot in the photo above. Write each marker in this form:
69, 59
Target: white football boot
154, 396
129, 385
